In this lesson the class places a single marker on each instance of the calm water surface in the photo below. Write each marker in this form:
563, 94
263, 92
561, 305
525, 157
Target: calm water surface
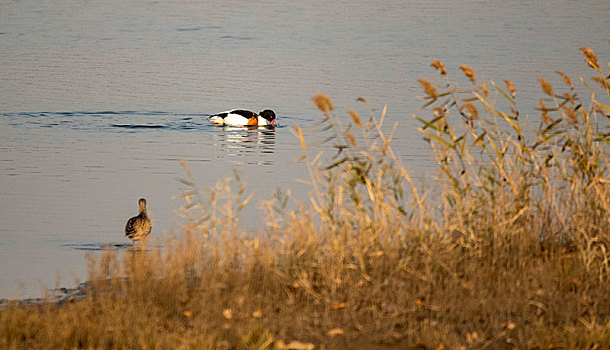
100, 100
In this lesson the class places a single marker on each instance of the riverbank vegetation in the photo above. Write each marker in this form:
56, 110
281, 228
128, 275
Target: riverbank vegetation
508, 248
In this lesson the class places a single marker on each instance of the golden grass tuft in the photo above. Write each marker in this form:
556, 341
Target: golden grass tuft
507, 247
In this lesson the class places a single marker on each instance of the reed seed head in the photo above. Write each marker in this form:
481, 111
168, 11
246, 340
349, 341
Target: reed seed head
355, 118
570, 114
350, 137
602, 82
429, 89
469, 73
590, 58
511, 87
565, 77
484, 88
546, 87
439, 65
471, 110
323, 103
568, 97
546, 119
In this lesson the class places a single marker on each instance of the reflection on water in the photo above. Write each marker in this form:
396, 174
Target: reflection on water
118, 121
240, 144
98, 246
243, 145
138, 126
252, 145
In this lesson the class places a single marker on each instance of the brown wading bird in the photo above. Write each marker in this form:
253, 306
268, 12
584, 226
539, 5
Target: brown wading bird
138, 227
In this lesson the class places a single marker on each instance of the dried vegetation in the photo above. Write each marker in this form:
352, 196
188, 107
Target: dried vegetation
509, 248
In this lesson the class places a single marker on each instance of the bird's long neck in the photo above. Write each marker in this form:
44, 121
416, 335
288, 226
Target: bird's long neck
143, 209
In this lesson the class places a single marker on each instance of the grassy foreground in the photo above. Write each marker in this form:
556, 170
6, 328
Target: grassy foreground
509, 247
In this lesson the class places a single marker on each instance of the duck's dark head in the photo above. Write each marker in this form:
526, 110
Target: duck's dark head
268, 115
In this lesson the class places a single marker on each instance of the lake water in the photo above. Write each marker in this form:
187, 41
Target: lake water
99, 100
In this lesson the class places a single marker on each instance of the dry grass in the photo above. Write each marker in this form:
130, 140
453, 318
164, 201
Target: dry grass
508, 249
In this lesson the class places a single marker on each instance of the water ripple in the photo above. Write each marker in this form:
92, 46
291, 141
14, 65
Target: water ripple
139, 126
97, 246
120, 121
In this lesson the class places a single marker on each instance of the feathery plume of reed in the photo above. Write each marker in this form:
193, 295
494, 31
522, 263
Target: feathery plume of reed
484, 89
590, 58
511, 87
469, 72
567, 96
350, 137
571, 114
565, 78
546, 119
471, 110
355, 118
439, 65
546, 87
429, 89
323, 103
602, 82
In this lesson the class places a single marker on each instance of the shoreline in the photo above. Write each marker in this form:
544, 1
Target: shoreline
57, 296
